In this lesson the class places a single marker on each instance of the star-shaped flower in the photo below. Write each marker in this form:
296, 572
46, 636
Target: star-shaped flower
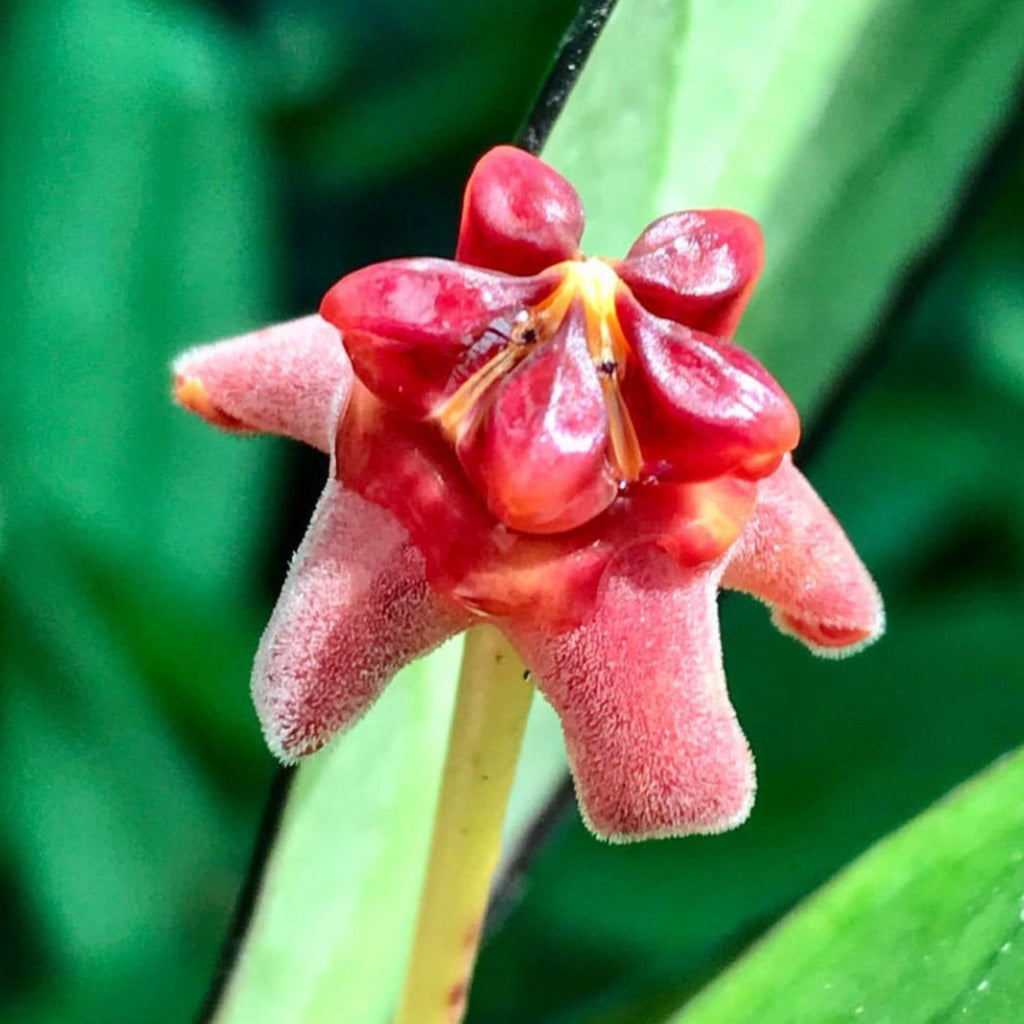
568, 447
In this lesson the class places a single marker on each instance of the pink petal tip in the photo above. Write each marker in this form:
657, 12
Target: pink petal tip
795, 557
653, 741
355, 608
291, 378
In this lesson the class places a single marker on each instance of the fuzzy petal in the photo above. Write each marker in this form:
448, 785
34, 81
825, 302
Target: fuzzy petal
519, 215
292, 378
355, 608
415, 329
653, 741
794, 556
697, 267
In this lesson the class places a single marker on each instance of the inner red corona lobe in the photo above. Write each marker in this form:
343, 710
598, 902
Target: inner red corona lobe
697, 267
538, 450
478, 561
519, 215
505, 448
701, 407
415, 329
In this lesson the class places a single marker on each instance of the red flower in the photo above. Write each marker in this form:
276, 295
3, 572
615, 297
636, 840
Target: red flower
567, 446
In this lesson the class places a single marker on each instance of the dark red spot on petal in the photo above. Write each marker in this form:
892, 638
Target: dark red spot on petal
823, 634
457, 997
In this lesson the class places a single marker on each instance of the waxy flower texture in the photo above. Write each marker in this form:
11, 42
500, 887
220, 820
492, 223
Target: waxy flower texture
568, 447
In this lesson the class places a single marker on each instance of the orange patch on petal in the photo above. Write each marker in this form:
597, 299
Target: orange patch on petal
190, 393
709, 519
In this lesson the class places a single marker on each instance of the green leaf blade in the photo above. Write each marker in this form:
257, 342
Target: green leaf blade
926, 927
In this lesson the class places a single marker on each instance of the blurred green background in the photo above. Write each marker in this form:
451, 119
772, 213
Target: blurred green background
171, 172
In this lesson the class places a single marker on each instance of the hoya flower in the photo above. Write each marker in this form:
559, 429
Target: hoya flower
571, 448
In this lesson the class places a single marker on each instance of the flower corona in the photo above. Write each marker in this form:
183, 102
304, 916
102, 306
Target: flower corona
570, 447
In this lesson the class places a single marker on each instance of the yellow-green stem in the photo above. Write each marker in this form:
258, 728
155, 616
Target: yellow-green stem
483, 748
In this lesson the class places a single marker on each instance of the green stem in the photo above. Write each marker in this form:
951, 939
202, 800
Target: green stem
487, 731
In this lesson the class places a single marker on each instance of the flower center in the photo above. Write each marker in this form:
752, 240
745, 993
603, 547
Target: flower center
587, 284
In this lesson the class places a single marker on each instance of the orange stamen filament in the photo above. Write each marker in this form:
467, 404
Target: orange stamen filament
625, 447
457, 414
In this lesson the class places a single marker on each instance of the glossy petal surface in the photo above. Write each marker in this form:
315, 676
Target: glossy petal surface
538, 453
415, 329
549, 580
519, 215
697, 267
701, 407
471, 556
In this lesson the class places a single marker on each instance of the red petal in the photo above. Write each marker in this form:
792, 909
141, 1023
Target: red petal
355, 608
538, 453
653, 741
701, 407
414, 328
794, 556
470, 556
697, 267
291, 378
519, 215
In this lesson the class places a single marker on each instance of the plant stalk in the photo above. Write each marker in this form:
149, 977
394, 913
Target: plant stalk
491, 706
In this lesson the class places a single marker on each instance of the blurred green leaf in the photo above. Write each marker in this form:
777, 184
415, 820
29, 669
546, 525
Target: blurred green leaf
434, 81
348, 146
135, 221
846, 129
93, 778
924, 929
